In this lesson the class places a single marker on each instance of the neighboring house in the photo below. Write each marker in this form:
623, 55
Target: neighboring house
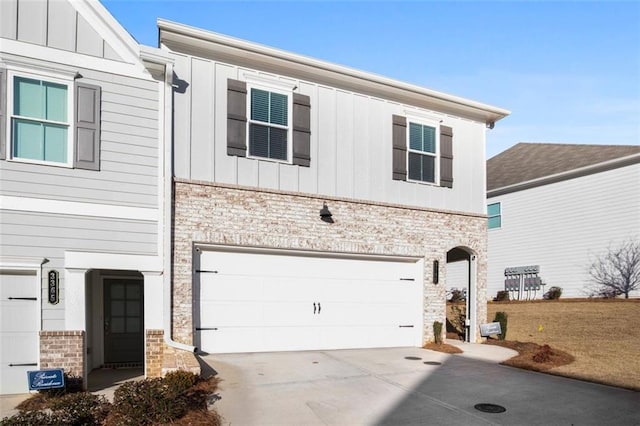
81, 199
557, 206
314, 204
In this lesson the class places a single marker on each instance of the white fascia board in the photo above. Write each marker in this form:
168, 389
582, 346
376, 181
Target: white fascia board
21, 262
130, 262
109, 29
201, 40
33, 55
74, 208
569, 174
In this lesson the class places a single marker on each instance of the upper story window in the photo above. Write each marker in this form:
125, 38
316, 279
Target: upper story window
40, 120
265, 122
495, 215
422, 153
269, 125
49, 119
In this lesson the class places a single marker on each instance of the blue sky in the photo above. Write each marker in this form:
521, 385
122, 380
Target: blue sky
568, 71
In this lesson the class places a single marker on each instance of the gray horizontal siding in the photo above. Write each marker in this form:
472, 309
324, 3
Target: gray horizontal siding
129, 146
52, 23
24, 231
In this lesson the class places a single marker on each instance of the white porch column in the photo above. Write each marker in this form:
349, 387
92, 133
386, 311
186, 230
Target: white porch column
153, 300
75, 317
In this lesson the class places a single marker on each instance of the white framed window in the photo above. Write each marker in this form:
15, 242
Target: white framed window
494, 211
40, 110
422, 152
269, 113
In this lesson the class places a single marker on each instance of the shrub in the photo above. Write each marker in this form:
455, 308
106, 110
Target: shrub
177, 382
81, 408
146, 402
437, 332
458, 295
553, 293
502, 296
502, 317
72, 384
459, 318
33, 418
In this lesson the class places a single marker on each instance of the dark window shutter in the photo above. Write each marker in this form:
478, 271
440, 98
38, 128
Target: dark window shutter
399, 147
301, 130
446, 156
86, 152
3, 114
236, 118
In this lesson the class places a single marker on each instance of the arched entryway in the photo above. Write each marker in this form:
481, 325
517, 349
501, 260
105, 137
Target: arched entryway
461, 294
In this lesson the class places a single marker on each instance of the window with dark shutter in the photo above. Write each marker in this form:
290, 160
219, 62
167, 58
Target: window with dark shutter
446, 156
301, 130
399, 148
87, 127
236, 118
422, 153
269, 125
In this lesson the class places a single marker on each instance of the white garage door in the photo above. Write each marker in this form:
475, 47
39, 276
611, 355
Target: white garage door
18, 330
255, 302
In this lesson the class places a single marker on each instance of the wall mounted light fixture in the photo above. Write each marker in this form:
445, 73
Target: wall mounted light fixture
436, 271
325, 214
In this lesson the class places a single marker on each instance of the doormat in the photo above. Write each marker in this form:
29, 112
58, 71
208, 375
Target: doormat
118, 365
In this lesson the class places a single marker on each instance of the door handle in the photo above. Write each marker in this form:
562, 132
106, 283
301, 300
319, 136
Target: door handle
314, 308
319, 308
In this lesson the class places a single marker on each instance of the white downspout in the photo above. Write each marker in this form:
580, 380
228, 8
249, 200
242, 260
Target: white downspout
167, 140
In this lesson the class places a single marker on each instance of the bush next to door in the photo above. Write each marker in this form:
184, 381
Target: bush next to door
437, 332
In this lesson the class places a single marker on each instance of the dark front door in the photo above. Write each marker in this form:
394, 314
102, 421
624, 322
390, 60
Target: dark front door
123, 321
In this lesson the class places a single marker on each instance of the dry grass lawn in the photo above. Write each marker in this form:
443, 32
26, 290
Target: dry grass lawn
602, 335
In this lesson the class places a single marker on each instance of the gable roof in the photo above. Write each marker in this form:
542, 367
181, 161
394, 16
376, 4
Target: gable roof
526, 162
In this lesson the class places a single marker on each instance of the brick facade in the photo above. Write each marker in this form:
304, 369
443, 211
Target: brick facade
154, 352
249, 217
63, 349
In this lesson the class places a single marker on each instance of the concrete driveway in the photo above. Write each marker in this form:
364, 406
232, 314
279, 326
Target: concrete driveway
400, 386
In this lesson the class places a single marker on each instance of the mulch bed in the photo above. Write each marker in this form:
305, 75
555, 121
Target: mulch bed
443, 347
532, 356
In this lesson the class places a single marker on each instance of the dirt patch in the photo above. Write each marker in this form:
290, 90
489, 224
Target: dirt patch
532, 356
601, 334
443, 347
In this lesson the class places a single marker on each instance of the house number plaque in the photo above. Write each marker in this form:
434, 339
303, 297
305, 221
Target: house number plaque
53, 287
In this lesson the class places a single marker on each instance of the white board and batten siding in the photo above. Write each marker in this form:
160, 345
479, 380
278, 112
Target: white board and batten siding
562, 226
351, 143
290, 301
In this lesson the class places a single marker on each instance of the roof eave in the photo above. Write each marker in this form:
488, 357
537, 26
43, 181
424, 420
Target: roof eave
197, 41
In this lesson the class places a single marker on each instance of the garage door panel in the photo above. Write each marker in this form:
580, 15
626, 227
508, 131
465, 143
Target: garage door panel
19, 327
274, 302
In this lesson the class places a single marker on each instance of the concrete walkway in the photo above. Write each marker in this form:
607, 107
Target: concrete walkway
407, 386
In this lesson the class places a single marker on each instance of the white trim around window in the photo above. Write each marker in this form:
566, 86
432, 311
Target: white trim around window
48, 77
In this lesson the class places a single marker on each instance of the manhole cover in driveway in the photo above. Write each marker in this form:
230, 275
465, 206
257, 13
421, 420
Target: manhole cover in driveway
490, 408
413, 358
432, 363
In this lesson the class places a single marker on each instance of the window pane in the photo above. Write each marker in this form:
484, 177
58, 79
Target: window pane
428, 168
278, 144
415, 166
415, 136
55, 143
258, 140
279, 106
429, 139
133, 308
117, 308
28, 140
28, 98
56, 101
133, 325
117, 325
495, 222
493, 209
260, 105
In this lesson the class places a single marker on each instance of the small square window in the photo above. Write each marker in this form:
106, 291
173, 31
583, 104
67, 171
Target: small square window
495, 215
40, 120
422, 153
269, 125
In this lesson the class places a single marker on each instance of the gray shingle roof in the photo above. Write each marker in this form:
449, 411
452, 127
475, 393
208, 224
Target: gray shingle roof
527, 161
